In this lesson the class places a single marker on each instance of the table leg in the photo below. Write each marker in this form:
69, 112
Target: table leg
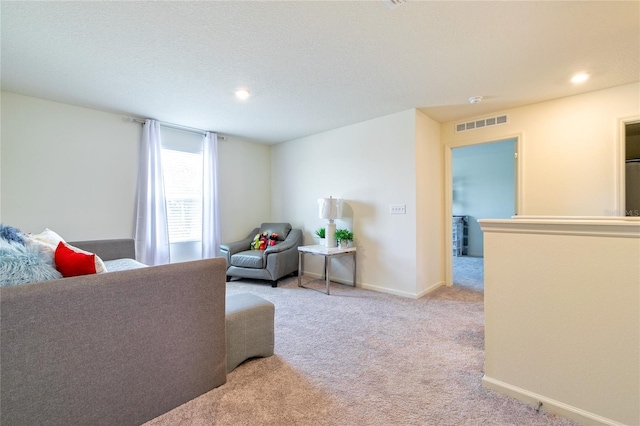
299, 269
327, 267
354, 269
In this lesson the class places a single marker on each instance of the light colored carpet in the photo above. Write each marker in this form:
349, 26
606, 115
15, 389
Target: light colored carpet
468, 272
359, 357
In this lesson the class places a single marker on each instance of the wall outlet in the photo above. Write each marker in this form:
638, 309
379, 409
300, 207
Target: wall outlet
398, 209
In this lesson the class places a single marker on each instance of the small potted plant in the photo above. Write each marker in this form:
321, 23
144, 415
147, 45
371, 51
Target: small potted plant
320, 234
344, 237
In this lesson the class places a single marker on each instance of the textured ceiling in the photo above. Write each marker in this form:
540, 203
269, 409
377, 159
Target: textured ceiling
312, 66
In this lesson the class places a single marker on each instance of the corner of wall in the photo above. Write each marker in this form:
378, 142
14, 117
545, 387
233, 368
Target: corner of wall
430, 263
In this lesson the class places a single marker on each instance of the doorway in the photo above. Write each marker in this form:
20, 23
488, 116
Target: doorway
632, 169
483, 186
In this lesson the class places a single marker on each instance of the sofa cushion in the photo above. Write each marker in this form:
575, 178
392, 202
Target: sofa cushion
282, 229
248, 259
123, 265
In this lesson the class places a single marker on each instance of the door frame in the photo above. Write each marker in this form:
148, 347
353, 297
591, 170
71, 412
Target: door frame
448, 188
620, 164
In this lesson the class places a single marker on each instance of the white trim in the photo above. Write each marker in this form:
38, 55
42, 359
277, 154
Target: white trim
548, 404
430, 289
448, 213
582, 226
580, 218
619, 167
395, 292
378, 288
365, 286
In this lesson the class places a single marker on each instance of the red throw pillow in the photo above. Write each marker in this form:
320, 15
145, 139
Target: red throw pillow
71, 263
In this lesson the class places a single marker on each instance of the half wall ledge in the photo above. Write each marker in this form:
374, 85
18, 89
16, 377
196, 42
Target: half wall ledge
562, 314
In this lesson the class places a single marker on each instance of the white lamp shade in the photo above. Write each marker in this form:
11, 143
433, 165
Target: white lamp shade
329, 208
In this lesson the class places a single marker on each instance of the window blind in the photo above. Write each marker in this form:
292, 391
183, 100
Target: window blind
182, 173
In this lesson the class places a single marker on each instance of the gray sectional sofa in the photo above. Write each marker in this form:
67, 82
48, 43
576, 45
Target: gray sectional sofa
117, 348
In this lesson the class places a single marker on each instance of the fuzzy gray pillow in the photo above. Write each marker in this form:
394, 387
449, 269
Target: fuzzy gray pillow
21, 264
9, 233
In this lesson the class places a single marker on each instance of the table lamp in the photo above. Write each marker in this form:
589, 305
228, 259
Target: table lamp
330, 208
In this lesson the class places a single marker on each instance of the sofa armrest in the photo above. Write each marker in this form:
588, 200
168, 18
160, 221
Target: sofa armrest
123, 248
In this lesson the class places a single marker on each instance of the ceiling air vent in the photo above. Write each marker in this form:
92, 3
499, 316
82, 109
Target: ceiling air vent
485, 122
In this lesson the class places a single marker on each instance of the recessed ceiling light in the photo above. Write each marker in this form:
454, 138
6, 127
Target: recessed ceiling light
242, 94
580, 78
475, 100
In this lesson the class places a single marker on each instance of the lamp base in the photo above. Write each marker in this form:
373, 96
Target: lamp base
330, 241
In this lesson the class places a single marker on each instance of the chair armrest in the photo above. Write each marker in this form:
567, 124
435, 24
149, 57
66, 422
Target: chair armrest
292, 241
238, 246
277, 248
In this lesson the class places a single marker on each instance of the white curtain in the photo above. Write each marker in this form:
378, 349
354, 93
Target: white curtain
210, 217
152, 231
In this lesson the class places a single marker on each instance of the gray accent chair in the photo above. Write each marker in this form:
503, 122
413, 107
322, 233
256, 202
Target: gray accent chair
271, 264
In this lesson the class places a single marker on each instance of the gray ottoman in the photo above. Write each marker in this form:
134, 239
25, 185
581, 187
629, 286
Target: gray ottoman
249, 321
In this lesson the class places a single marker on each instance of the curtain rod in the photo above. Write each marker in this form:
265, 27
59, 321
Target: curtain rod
176, 127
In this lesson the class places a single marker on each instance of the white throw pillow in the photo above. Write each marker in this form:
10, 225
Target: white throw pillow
49, 241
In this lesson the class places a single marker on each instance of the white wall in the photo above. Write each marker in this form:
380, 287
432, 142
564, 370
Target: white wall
429, 238
245, 187
568, 150
370, 165
74, 170
562, 315
67, 168
483, 186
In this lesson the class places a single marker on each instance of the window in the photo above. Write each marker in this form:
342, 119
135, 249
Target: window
182, 163
176, 214
182, 172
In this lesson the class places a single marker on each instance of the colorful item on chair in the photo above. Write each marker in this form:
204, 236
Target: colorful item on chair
255, 244
262, 241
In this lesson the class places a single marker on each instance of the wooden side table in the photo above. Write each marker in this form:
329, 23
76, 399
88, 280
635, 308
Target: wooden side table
328, 253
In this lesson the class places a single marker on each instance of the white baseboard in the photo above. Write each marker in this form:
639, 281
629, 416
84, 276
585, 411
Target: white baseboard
548, 404
403, 293
379, 288
387, 290
314, 275
333, 279
430, 289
